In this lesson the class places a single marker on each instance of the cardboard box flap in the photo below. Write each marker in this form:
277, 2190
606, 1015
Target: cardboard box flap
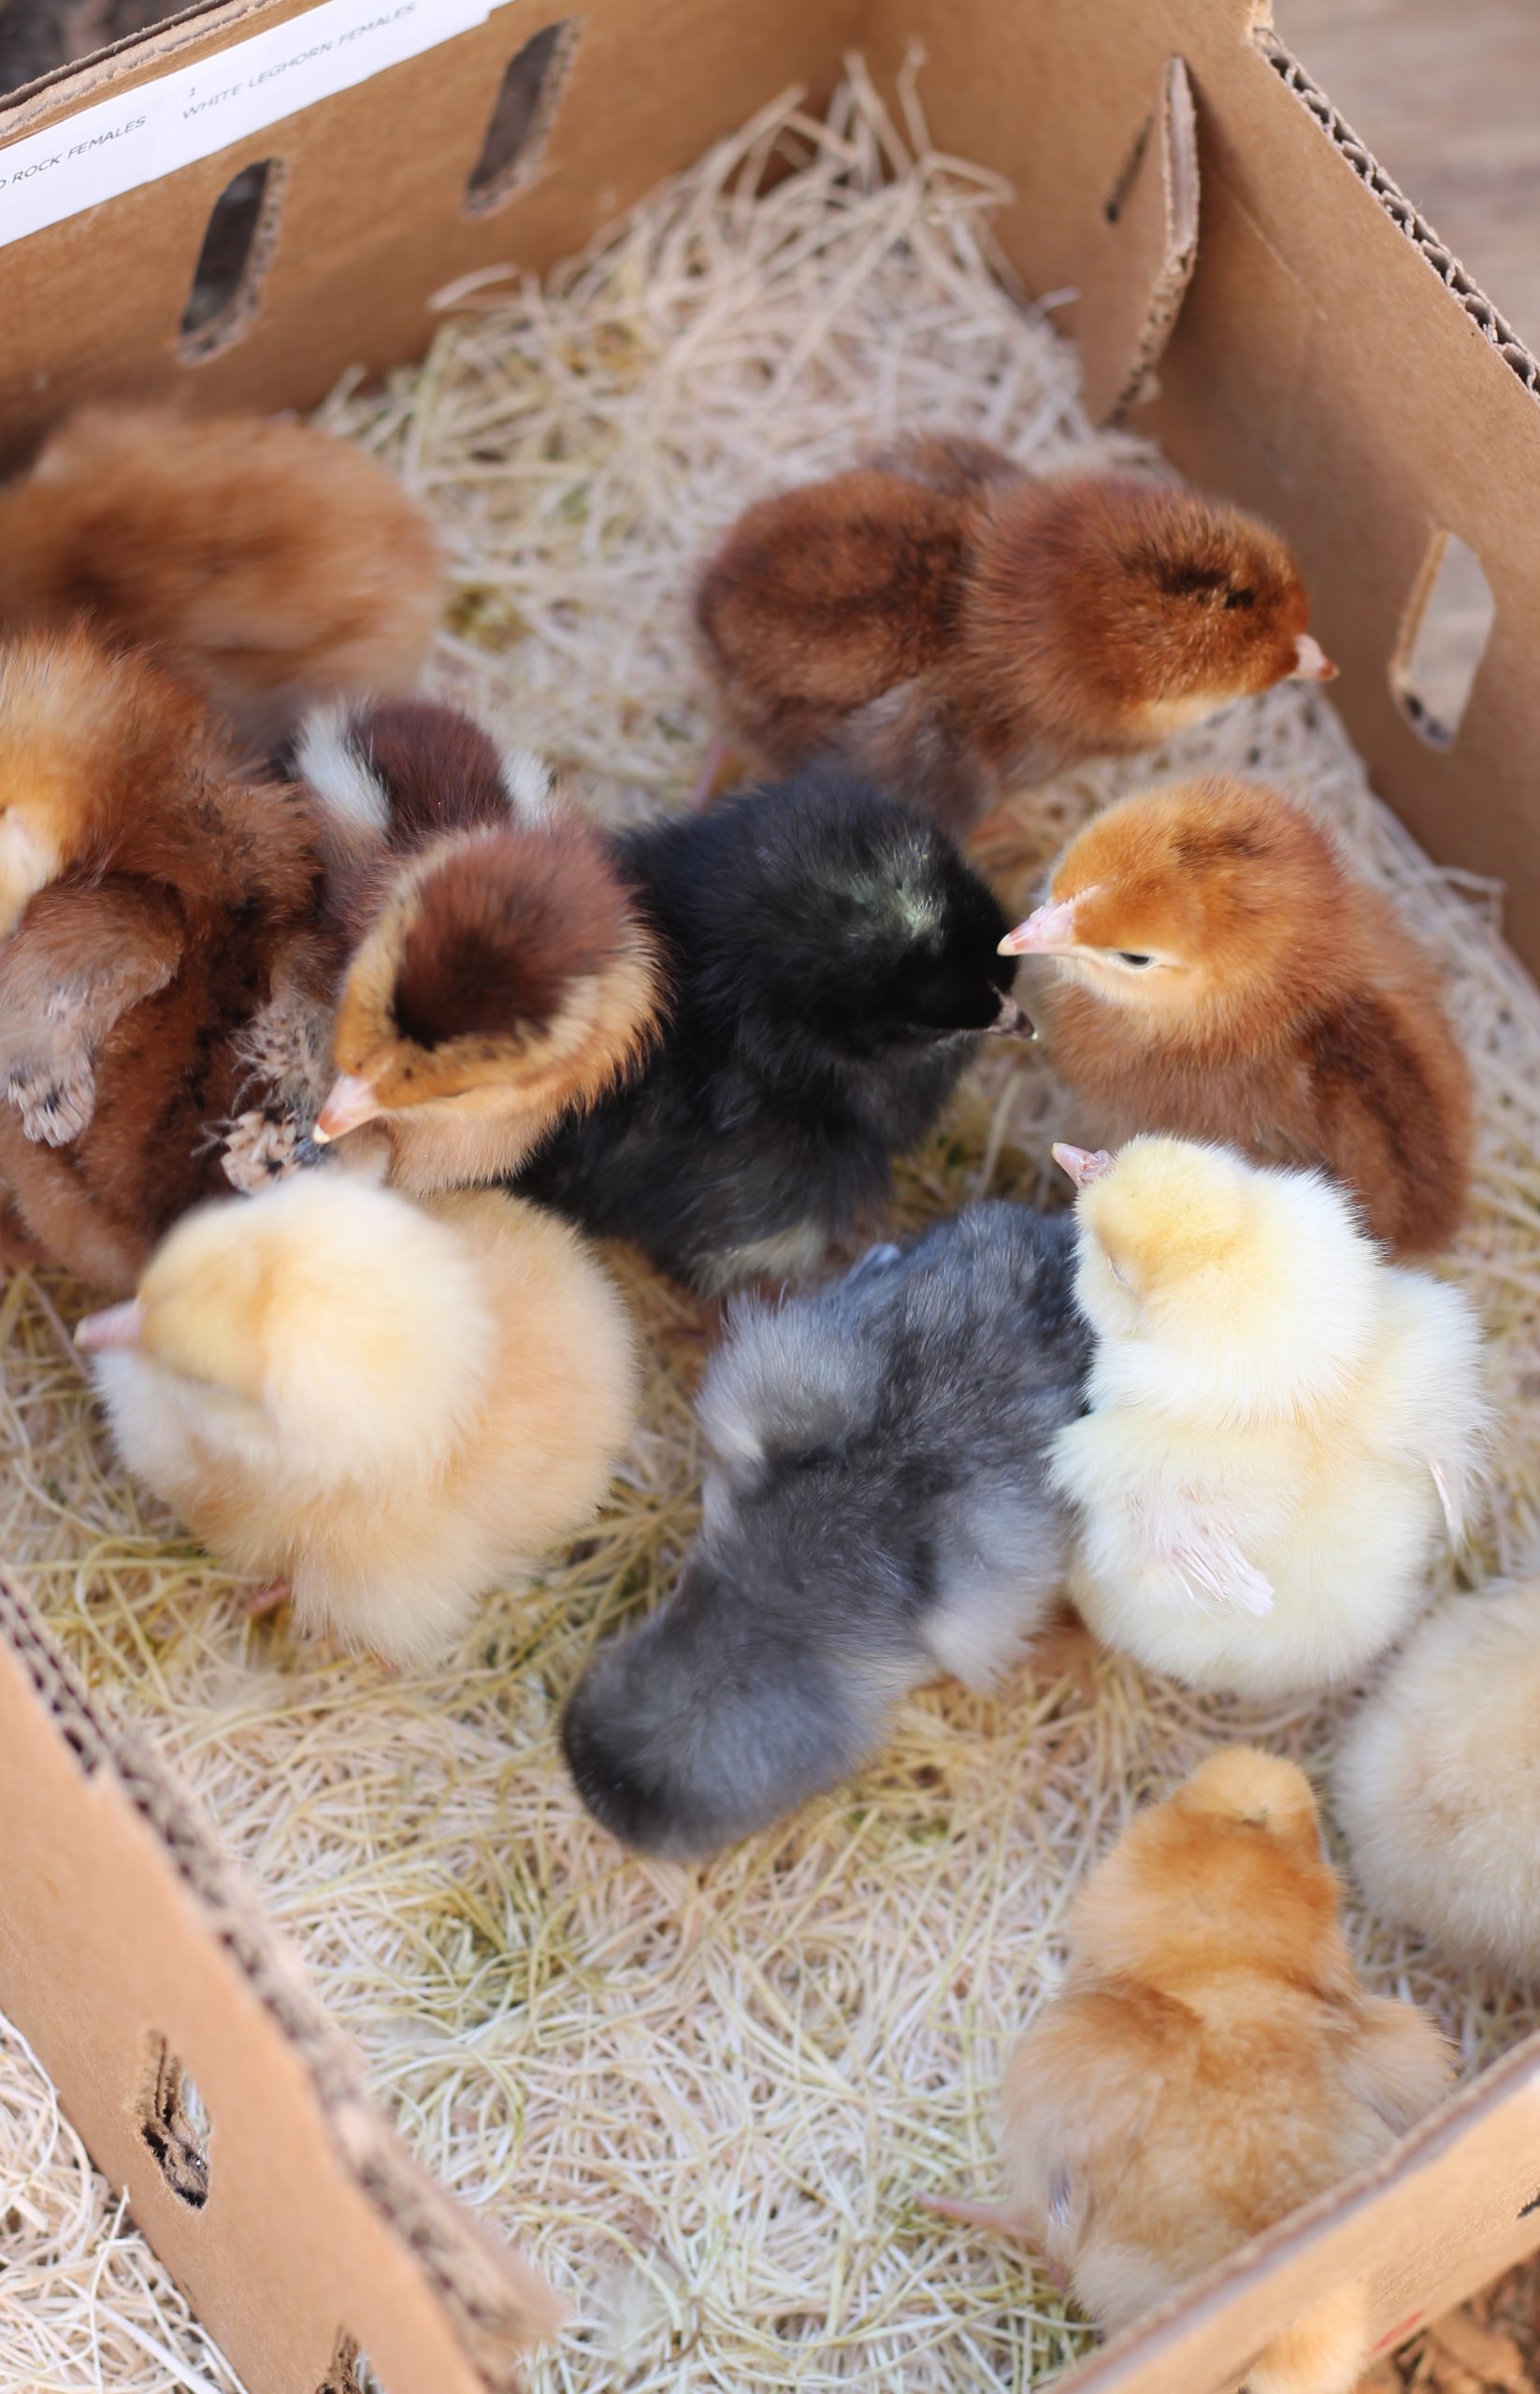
1400, 210
1133, 291
212, 2087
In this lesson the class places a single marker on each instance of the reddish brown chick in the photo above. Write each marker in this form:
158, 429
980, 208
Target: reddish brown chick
154, 904
498, 975
278, 564
956, 628
1213, 969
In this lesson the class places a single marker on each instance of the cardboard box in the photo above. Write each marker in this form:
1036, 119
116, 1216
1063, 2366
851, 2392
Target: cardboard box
1252, 281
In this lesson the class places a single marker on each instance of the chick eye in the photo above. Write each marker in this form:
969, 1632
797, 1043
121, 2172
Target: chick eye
1135, 962
1241, 598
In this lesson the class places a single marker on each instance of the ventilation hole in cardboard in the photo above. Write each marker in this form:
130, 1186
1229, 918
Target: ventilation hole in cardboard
1112, 207
174, 2124
237, 247
1443, 640
521, 121
352, 2370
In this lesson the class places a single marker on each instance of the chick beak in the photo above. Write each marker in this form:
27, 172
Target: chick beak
1313, 665
1081, 1165
351, 1101
115, 1326
1048, 933
1011, 1022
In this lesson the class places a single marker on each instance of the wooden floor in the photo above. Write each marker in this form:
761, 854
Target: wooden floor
1446, 94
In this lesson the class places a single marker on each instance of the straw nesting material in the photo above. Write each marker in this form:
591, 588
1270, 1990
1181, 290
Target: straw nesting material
706, 2101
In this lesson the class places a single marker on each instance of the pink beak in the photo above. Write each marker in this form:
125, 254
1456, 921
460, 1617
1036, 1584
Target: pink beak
1048, 933
115, 1326
351, 1101
1314, 664
1082, 1165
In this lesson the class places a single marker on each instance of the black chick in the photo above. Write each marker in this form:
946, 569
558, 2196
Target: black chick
834, 963
878, 1510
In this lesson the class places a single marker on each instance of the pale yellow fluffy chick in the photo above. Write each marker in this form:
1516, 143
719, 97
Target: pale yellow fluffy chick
1438, 1783
1282, 1427
1212, 2064
388, 1407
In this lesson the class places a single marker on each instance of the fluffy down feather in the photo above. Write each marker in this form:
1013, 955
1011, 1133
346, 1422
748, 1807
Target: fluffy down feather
1280, 1422
1438, 1781
876, 1511
275, 564
156, 904
939, 619
389, 1408
1212, 2063
1211, 967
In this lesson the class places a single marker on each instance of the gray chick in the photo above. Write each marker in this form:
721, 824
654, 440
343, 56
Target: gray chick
877, 1511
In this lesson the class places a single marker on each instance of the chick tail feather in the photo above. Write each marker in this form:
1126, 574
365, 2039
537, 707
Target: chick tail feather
1324, 2352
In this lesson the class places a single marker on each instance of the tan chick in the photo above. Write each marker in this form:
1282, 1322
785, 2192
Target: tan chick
1283, 1429
499, 974
383, 1408
1438, 1783
1212, 2063
276, 563
151, 904
1211, 967
958, 629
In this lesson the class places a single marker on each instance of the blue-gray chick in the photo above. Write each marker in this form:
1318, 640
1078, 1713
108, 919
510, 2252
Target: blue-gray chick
877, 1511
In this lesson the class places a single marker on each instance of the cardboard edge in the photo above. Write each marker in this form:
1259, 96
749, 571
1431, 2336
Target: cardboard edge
494, 2303
1488, 321
202, 30
1165, 184
23, 94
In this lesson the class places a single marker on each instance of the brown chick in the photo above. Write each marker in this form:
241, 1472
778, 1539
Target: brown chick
153, 903
279, 565
1212, 2064
1216, 971
956, 627
498, 975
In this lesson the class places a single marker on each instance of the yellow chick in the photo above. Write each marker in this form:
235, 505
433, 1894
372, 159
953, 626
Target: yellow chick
383, 1408
1438, 1783
1212, 2064
1281, 1427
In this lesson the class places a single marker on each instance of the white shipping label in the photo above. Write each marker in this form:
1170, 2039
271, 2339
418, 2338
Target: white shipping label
194, 110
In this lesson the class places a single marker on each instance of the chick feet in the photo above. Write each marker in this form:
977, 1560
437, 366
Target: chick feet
261, 1602
55, 1096
261, 1147
1065, 1652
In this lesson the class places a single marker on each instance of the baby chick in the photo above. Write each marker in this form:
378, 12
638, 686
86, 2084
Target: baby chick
499, 971
956, 628
1438, 1783
1216, 969
1212, 2063
876, 1511
276, 563
154, 902
385, 1408
1281, 1424
834, 966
